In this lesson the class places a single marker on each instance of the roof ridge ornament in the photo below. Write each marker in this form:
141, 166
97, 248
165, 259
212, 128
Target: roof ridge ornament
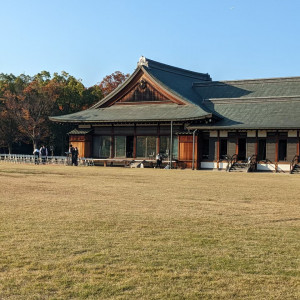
143, 61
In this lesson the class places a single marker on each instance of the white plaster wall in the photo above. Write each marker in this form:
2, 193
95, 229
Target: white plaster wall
266, 167
223, 133
284, 167
213, 133
223, 165
207, 165
251, 133
262, 133
292, 133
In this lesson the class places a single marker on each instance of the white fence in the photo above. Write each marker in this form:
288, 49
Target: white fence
52, 160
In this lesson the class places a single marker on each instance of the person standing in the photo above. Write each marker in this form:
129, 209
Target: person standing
76, 153
158, 160
43, 154
36, 154
70, 155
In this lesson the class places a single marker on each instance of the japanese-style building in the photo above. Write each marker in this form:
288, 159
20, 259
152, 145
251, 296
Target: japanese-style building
213, 124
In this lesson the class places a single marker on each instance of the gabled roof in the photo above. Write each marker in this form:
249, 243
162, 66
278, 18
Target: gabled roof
176, 82
248, 104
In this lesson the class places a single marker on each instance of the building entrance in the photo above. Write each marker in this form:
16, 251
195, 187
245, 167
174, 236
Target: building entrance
261, 155
242, 149
129, 146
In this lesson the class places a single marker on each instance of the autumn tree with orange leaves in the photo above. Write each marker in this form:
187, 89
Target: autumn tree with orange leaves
111, 82
73, 96
9, 129
31, 108
27, 102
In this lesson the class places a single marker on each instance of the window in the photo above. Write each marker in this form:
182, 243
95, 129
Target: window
175, 147
164, 146
145, 146
282, 145
101, 146
223, 148
120, 146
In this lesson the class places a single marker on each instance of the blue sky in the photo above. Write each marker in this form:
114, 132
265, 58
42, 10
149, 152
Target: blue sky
229, 39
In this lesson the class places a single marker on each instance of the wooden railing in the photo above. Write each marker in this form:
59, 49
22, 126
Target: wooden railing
230, 161
294, 162
252, 163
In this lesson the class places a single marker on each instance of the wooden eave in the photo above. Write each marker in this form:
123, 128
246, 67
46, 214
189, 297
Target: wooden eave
154, 121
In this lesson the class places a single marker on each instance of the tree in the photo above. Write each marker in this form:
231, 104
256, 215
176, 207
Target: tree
27, 102
111, 82
30, 109
9, 129
72, 97
9, 132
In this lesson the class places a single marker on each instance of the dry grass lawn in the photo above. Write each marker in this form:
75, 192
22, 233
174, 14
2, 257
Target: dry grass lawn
116, 233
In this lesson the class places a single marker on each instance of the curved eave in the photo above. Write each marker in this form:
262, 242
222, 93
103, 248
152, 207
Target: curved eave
246, 127
55, 119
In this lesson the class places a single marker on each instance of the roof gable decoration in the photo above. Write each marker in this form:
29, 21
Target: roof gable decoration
142, 62
143, 91
140, 88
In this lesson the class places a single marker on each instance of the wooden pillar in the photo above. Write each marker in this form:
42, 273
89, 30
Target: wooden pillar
276, 148
237, 144
112, 154
218, 149
298, 148
158, 138
134, 141
256, 143
196, 153
276, 152
179, 155
199, 152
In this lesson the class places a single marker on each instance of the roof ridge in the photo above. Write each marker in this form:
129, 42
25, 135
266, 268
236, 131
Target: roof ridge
254, 99
171, 69
250, 81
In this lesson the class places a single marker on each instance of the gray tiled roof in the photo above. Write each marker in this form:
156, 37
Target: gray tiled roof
80, 131
242, 89
135, 113
175, 80
259, 115
259, 103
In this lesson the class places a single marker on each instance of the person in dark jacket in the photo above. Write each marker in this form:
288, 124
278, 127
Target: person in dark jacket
76, 153
43, 154
158, 160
